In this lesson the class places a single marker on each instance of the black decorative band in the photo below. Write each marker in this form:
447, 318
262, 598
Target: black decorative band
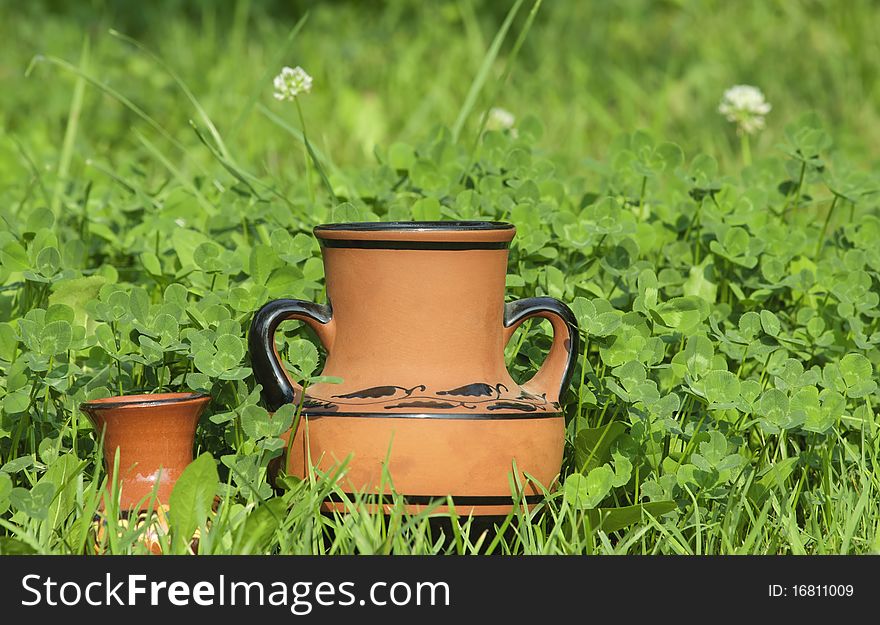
458, 500
459, 416
140, 401
375, 244
410, 226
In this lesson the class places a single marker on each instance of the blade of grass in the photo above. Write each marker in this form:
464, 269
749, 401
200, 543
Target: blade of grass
113, 93
206, 119
673, 536
852, 522
24, 536
312, 155
267, 73
483, 72
508, 68
70, 131
297, 134
178, 175
35, 171
127, 185
319, 158
236, 173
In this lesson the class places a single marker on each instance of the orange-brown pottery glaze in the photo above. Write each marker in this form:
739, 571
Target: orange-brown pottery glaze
153, 435
415, 326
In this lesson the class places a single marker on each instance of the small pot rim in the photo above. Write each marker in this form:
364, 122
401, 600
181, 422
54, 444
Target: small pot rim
142, 401
412, 226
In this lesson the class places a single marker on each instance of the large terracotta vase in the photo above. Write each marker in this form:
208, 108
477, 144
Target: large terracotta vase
154, 436
415, 326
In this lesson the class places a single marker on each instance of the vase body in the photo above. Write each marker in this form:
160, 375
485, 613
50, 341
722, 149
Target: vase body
153, 435
415, 327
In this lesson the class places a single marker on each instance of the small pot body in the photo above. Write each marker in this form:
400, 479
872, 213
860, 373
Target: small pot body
415, 326
153, 435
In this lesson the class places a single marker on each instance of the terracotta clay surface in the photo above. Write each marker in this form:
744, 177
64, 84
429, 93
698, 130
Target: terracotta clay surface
154, 436
428, 459
416, 326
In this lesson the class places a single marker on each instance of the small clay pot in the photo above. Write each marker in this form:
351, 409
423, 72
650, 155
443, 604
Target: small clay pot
154, 435
415, 326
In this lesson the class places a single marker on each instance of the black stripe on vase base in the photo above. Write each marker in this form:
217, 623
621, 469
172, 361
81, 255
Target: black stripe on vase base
457, 416
424, 500
414, 245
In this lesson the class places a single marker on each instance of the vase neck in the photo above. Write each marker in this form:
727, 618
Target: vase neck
402, 314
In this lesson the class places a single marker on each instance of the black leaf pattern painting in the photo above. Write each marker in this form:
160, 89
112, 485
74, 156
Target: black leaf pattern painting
477, 389
374, 392
435, 405
512, 405
468, 397
319, 404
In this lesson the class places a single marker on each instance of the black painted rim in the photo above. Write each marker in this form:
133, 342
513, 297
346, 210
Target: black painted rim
451, 416
122, 402
412, 226
458, 500
375, 244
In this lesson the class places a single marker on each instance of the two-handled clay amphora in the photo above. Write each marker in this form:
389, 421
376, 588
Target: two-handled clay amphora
415, 326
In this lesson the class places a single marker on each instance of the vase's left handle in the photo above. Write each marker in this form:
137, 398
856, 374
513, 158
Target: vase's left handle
278, 388
554, 375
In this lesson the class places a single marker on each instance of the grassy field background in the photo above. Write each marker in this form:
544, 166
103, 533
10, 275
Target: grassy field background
388, 71
120, 120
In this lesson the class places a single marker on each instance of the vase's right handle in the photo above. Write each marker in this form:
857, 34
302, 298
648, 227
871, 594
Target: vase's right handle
278, 388
554, 375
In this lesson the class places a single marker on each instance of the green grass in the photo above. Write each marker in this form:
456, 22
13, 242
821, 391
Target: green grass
153, 195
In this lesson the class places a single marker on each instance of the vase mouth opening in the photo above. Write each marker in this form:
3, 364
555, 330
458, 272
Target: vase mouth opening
413, 226
417, 235
143, 400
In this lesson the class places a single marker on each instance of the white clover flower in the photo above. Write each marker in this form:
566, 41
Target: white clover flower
291, 82
745, 106
500, 119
